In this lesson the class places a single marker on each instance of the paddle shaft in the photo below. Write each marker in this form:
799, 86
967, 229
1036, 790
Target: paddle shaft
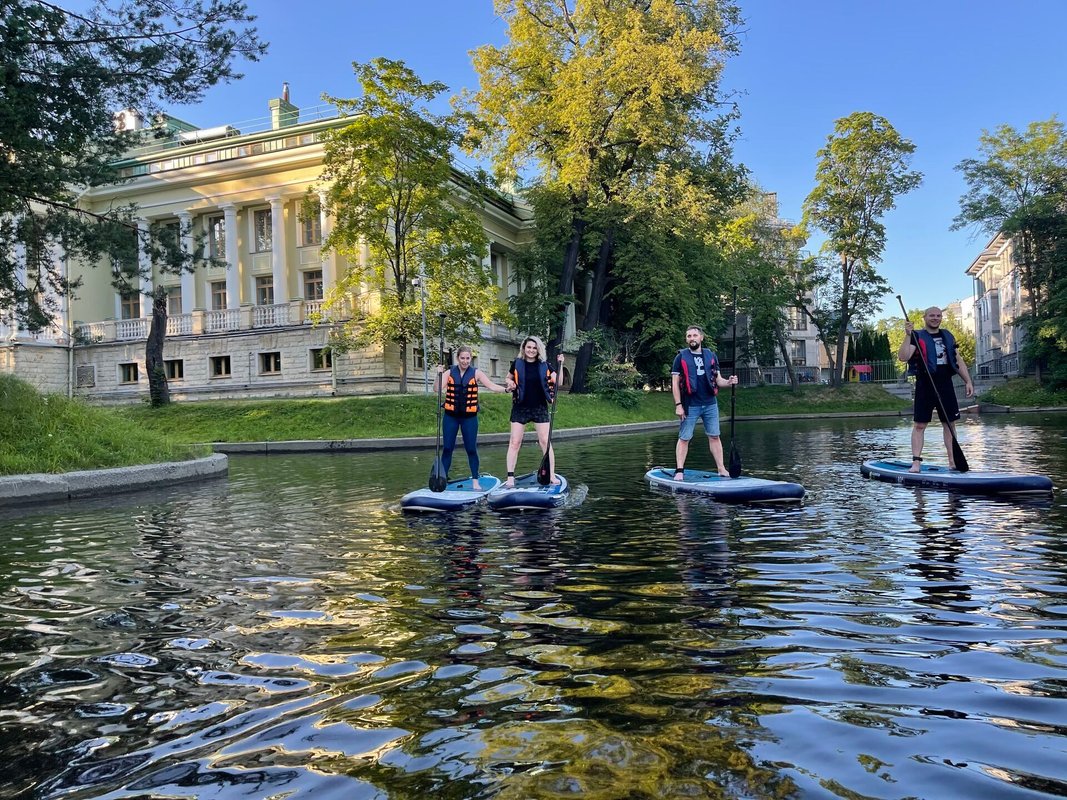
957, 451
734, 467
438, 477
544, 472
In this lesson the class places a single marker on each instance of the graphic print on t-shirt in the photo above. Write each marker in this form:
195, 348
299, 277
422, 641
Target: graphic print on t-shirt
700, 364
939, 346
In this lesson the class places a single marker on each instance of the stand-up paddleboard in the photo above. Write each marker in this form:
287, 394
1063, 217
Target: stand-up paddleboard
456, 494
527, 494
972, 482
729, 490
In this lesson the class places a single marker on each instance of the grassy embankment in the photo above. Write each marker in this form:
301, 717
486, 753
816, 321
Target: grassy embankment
414, 414
1024, 392
49, 433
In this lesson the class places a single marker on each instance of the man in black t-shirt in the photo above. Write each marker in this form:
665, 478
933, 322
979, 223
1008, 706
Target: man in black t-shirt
938, 348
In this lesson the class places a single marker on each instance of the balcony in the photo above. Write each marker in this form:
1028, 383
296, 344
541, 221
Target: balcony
297, 312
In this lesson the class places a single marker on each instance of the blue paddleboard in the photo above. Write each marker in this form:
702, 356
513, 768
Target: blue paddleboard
971, 482
528, 494
728, 490
456, 494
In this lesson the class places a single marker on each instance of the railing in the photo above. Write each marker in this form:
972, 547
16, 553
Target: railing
89, 332
180, 325
269, 316
227, 319
312, 307
126, 329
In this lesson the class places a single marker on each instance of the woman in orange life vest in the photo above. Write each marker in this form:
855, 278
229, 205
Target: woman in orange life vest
461, 408
534, 385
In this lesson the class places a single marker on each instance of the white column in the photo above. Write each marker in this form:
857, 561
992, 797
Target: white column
278, 249
233, 284
188, 275
144, 264
21, 276
329, 260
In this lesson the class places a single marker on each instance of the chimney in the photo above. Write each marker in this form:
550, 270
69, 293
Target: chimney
282, 112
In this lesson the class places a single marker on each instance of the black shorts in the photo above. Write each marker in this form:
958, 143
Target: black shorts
524, 415
925, 401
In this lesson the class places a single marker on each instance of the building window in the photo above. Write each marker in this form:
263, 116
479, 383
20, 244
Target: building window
270, 363
417, 360
797, 320
321, 358
494, 366
313, 284
216, 237
265, 291
175, 368
798, 352
218, 295
174, 300
261, 230
499, 262
311, 228
128, 373
130, 305
220, 366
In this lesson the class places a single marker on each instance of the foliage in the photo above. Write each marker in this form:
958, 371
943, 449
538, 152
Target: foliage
617, 103
49, 433
618, 382
862, 169
391, 187
869, 345
1027, 392
65, 73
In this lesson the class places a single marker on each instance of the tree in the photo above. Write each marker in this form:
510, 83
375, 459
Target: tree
614, 101
861, 171
1017, 188
391, 186
64, 76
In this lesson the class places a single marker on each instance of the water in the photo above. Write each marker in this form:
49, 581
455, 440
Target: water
288, 633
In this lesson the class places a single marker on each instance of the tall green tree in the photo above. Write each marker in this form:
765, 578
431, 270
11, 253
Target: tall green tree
609, 99
1018, 187
861, 171
65, 73
391, 186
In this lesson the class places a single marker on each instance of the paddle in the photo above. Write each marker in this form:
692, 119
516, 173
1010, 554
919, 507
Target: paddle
438, 475
735, 457
544, 472
957, 451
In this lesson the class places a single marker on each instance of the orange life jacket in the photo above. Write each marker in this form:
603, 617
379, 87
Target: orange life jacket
461, 393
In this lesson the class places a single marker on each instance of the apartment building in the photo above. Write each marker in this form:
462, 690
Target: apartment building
999, 298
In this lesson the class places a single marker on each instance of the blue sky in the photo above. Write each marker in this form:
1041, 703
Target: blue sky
940, 71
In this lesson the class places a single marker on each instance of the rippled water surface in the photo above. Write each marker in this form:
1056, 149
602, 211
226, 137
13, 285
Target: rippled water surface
288, 633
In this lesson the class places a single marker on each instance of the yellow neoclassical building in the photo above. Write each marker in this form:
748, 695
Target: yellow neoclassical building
244, 328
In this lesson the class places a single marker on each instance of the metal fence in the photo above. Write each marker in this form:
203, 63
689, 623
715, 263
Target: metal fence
866, 372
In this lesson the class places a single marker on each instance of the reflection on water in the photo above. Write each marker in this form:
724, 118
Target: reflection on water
288, 633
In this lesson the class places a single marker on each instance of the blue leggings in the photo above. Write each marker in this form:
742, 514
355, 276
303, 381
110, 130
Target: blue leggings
450, 426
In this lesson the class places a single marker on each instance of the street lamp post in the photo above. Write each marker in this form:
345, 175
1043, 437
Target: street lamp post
420, 280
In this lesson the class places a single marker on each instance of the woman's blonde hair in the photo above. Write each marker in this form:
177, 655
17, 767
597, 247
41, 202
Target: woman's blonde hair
541, 354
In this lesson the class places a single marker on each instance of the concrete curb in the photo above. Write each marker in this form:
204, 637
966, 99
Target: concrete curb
44, 487
422, 442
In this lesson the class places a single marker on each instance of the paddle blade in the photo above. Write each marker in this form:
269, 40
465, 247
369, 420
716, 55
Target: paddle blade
735, 462
544, 472
958, 457
438, 476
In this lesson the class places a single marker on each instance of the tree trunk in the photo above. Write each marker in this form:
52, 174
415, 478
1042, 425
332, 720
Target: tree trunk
404, 365
783, 347
158, 391
592, 312
566, 282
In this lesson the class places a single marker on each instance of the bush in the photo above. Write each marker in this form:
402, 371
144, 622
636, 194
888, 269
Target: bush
610, 375
624, 398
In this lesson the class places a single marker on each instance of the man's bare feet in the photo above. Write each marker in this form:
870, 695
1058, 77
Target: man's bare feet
724, 473
555, 481
510, 483
916, 466
475, 485
679, 475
